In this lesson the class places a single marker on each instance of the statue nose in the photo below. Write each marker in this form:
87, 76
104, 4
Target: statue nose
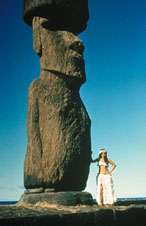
77, 46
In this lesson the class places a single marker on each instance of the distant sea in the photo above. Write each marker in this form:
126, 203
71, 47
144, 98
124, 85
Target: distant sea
8, 202
134, 200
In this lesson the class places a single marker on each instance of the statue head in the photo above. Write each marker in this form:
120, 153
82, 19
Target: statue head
60, 51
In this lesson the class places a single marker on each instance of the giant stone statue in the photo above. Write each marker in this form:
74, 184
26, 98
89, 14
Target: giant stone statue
59, 149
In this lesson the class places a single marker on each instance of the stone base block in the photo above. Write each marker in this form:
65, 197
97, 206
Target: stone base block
69, 198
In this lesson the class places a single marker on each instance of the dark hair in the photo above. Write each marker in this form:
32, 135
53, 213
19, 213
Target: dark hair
105, 158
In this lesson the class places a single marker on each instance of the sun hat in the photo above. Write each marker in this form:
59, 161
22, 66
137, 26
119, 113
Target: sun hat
102, 150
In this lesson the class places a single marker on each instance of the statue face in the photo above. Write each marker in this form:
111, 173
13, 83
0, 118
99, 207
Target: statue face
60, 51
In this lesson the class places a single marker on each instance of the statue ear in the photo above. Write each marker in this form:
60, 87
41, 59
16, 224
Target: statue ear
37, 44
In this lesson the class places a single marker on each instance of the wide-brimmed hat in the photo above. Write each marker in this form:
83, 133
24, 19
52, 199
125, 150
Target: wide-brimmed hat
102, 151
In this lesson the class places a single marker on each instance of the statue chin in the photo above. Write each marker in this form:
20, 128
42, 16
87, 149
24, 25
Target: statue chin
72, 72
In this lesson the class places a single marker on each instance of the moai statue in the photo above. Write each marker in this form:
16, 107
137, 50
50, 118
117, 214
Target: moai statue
58, 154
59, 146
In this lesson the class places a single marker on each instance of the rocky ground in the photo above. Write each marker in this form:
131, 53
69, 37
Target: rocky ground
44, 215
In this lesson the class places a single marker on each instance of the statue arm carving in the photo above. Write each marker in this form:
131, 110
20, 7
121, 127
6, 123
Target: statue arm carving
34, 135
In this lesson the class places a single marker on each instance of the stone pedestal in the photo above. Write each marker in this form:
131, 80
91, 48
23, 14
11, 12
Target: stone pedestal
70, 198
58, 154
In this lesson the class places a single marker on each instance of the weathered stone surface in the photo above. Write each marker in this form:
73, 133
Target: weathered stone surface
49, 190
72, 216
70, 15
59, 51
134, 216
59, 198
58, 153
34, 191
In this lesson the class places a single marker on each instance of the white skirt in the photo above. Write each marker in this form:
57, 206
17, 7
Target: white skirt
105, 189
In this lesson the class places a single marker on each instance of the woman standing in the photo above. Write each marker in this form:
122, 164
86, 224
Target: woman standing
105, 190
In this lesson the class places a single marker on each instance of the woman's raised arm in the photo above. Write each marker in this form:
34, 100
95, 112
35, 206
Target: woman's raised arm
94, 160
113, 165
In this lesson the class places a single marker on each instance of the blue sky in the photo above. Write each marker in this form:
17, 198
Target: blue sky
114, 94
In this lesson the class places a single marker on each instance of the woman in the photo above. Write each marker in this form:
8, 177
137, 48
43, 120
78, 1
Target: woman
105, 192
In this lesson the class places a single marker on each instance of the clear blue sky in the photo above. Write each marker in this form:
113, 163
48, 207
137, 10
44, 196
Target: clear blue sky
114, 94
